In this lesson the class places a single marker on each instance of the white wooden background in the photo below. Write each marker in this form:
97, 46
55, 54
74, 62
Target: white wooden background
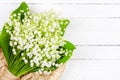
94, 29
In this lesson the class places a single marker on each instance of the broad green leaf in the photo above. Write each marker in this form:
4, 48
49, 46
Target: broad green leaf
20, 10
63, 24
23, 6
17, 66
5, 37
4, 42
0, 36
70, 47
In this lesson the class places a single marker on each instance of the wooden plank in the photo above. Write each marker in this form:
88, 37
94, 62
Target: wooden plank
87, 24
72, 10
92, 70
86, 31
92, 38
28, 1
94, 31
63, 1
82, 10
96, 52
83, 24
82, 30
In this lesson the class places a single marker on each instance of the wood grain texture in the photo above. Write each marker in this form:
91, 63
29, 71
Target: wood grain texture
94, 29
88, 31
62, 1
96, 53
69, 10
92, 70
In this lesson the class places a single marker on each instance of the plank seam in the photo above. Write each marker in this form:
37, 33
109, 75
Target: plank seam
96, 59
99, 45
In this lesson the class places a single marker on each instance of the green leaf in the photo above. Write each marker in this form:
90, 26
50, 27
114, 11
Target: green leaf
65, 58
4, 42
63, 24
23, 7
5, 37
68, 46
0, 36
24, 70
15, 63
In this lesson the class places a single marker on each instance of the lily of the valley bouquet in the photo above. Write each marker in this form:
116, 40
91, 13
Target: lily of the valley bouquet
33, 45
